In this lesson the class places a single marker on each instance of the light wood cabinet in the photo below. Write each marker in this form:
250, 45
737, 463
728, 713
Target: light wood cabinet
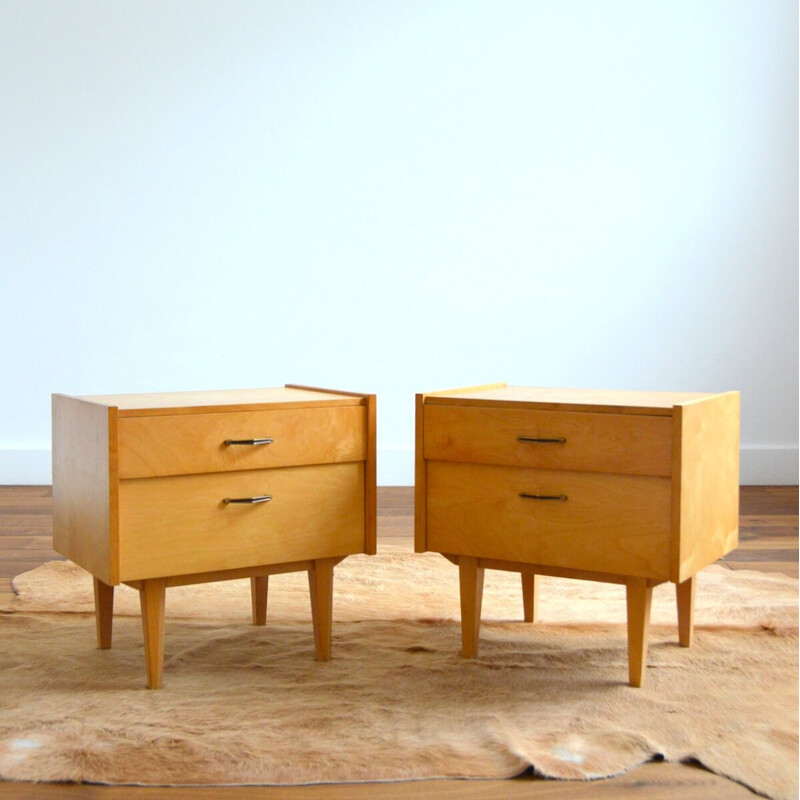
635, 488
160, 490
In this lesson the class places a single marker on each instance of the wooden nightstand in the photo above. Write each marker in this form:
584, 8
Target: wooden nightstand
160, 490
636, 488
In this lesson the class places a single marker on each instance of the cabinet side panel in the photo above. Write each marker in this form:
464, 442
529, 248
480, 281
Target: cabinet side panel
420, 501
371, 480
706, 488
83, 510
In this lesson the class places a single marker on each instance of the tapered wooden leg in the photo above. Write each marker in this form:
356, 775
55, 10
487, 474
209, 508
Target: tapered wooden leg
320, 584
259, 586
471, 583
685, 595
639, 595
103, 613
152, 595
530, 595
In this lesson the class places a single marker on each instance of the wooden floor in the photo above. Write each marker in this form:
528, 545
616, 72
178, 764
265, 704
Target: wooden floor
768, 541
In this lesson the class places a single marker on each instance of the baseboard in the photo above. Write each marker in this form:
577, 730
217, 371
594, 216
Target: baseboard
396, 466
760, 466
25, 467
768, 466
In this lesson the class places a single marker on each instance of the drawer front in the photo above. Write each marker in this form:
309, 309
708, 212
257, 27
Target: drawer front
186, 444
626, 444
180, 525
607, 523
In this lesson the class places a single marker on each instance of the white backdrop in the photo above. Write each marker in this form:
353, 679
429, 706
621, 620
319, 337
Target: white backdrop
398, 196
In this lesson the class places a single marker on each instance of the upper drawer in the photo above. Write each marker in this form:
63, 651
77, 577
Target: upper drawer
628, 444
187, 444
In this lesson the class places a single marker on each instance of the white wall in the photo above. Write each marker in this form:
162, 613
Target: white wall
398, 197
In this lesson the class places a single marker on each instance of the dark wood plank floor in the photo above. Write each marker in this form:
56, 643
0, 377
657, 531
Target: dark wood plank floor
768, 541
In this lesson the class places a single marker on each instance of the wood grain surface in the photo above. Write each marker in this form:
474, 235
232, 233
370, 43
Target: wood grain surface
607, 523
182, 524
188, 444
626, 444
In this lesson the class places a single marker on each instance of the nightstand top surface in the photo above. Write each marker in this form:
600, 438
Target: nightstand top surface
607, 400
222, 400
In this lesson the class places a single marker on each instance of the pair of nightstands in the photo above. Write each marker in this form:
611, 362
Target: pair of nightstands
165, 490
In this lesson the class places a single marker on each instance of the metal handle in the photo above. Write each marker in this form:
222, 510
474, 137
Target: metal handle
561, 497
250, 441
262, 498
540, 440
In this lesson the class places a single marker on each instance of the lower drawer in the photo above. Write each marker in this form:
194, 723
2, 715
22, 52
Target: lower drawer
607, 523
180, 525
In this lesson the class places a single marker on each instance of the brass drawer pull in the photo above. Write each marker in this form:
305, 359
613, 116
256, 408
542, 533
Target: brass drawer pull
539, 440
263, 498
249, 441
561, 497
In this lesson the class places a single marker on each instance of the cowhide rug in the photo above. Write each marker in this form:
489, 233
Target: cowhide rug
250, 705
